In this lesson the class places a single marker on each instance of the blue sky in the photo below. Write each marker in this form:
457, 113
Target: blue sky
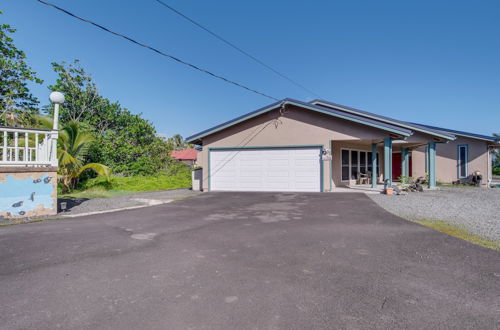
435, 62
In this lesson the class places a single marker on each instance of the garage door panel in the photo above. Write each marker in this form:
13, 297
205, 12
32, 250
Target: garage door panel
250, 162
273, 169
251, 174
249, 185
278, 162
274, 173
306, 175
304, 163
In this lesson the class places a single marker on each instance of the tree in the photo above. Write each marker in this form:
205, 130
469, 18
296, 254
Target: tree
124, 141
496, 154
72, 148
16, 101
177, 142
82, 100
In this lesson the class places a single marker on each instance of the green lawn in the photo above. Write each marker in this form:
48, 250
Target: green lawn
459, 232
99, 188
450, 185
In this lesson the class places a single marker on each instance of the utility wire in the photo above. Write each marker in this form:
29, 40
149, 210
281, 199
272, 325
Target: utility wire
156, 50
230, 44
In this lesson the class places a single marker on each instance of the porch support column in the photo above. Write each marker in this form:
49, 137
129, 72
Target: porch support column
374, 165
405, 158
431, 156
387, 162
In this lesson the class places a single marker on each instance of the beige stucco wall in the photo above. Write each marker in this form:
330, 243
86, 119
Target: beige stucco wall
446, 160
418, 162
28, 192
295, 127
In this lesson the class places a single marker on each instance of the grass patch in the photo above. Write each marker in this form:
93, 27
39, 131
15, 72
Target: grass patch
450, 185
459, 232
100, 188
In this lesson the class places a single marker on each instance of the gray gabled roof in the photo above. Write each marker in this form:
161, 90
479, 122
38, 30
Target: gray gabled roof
325, 110
411, 126
461, 133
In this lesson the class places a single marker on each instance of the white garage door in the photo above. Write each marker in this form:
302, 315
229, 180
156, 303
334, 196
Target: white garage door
270, 169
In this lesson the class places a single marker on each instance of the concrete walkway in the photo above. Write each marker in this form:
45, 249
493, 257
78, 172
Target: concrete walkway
79, 206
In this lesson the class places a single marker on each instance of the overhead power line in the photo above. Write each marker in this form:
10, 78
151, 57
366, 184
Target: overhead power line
156, 50
230, 44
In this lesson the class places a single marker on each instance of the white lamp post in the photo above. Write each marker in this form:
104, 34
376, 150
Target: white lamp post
57, 98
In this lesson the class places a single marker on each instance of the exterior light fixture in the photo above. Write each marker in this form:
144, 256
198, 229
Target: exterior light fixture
57, 98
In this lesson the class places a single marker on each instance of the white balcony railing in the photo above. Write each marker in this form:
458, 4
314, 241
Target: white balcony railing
27, 147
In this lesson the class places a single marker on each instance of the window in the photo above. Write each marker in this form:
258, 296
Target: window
362, 162
354, 162
345, 165
354, 165
462, 160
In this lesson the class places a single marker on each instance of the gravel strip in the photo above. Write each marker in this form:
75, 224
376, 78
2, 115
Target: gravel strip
84, 205
476, 209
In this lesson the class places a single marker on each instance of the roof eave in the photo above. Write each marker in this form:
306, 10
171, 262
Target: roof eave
465, 134
197, 137
449, 137
405, 133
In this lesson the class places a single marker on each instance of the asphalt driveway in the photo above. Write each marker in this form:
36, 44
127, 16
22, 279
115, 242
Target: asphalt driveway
245, 261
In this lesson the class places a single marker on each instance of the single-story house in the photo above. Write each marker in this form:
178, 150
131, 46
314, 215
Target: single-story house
292, 145
187, 156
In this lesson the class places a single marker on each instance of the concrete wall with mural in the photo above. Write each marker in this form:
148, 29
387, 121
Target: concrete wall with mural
27, 192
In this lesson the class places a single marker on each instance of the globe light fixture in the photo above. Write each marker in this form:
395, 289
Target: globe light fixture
56, 97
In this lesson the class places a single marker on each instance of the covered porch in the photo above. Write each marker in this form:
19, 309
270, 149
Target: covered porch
372, 165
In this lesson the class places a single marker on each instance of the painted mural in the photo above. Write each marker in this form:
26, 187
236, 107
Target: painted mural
25, 196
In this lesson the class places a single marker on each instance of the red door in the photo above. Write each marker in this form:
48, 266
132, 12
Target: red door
396, 165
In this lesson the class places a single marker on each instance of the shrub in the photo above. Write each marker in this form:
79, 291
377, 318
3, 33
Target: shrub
496, 170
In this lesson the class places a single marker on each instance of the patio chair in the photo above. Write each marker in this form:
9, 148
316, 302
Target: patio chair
363, 178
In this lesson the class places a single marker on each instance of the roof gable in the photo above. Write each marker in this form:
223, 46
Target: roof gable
320, 109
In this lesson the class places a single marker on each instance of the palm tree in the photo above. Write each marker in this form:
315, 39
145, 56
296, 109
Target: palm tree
72, 147
177, 142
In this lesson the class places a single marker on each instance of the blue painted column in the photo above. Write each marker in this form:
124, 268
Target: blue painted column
374, 165
387, 162
405, 157
431, 156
